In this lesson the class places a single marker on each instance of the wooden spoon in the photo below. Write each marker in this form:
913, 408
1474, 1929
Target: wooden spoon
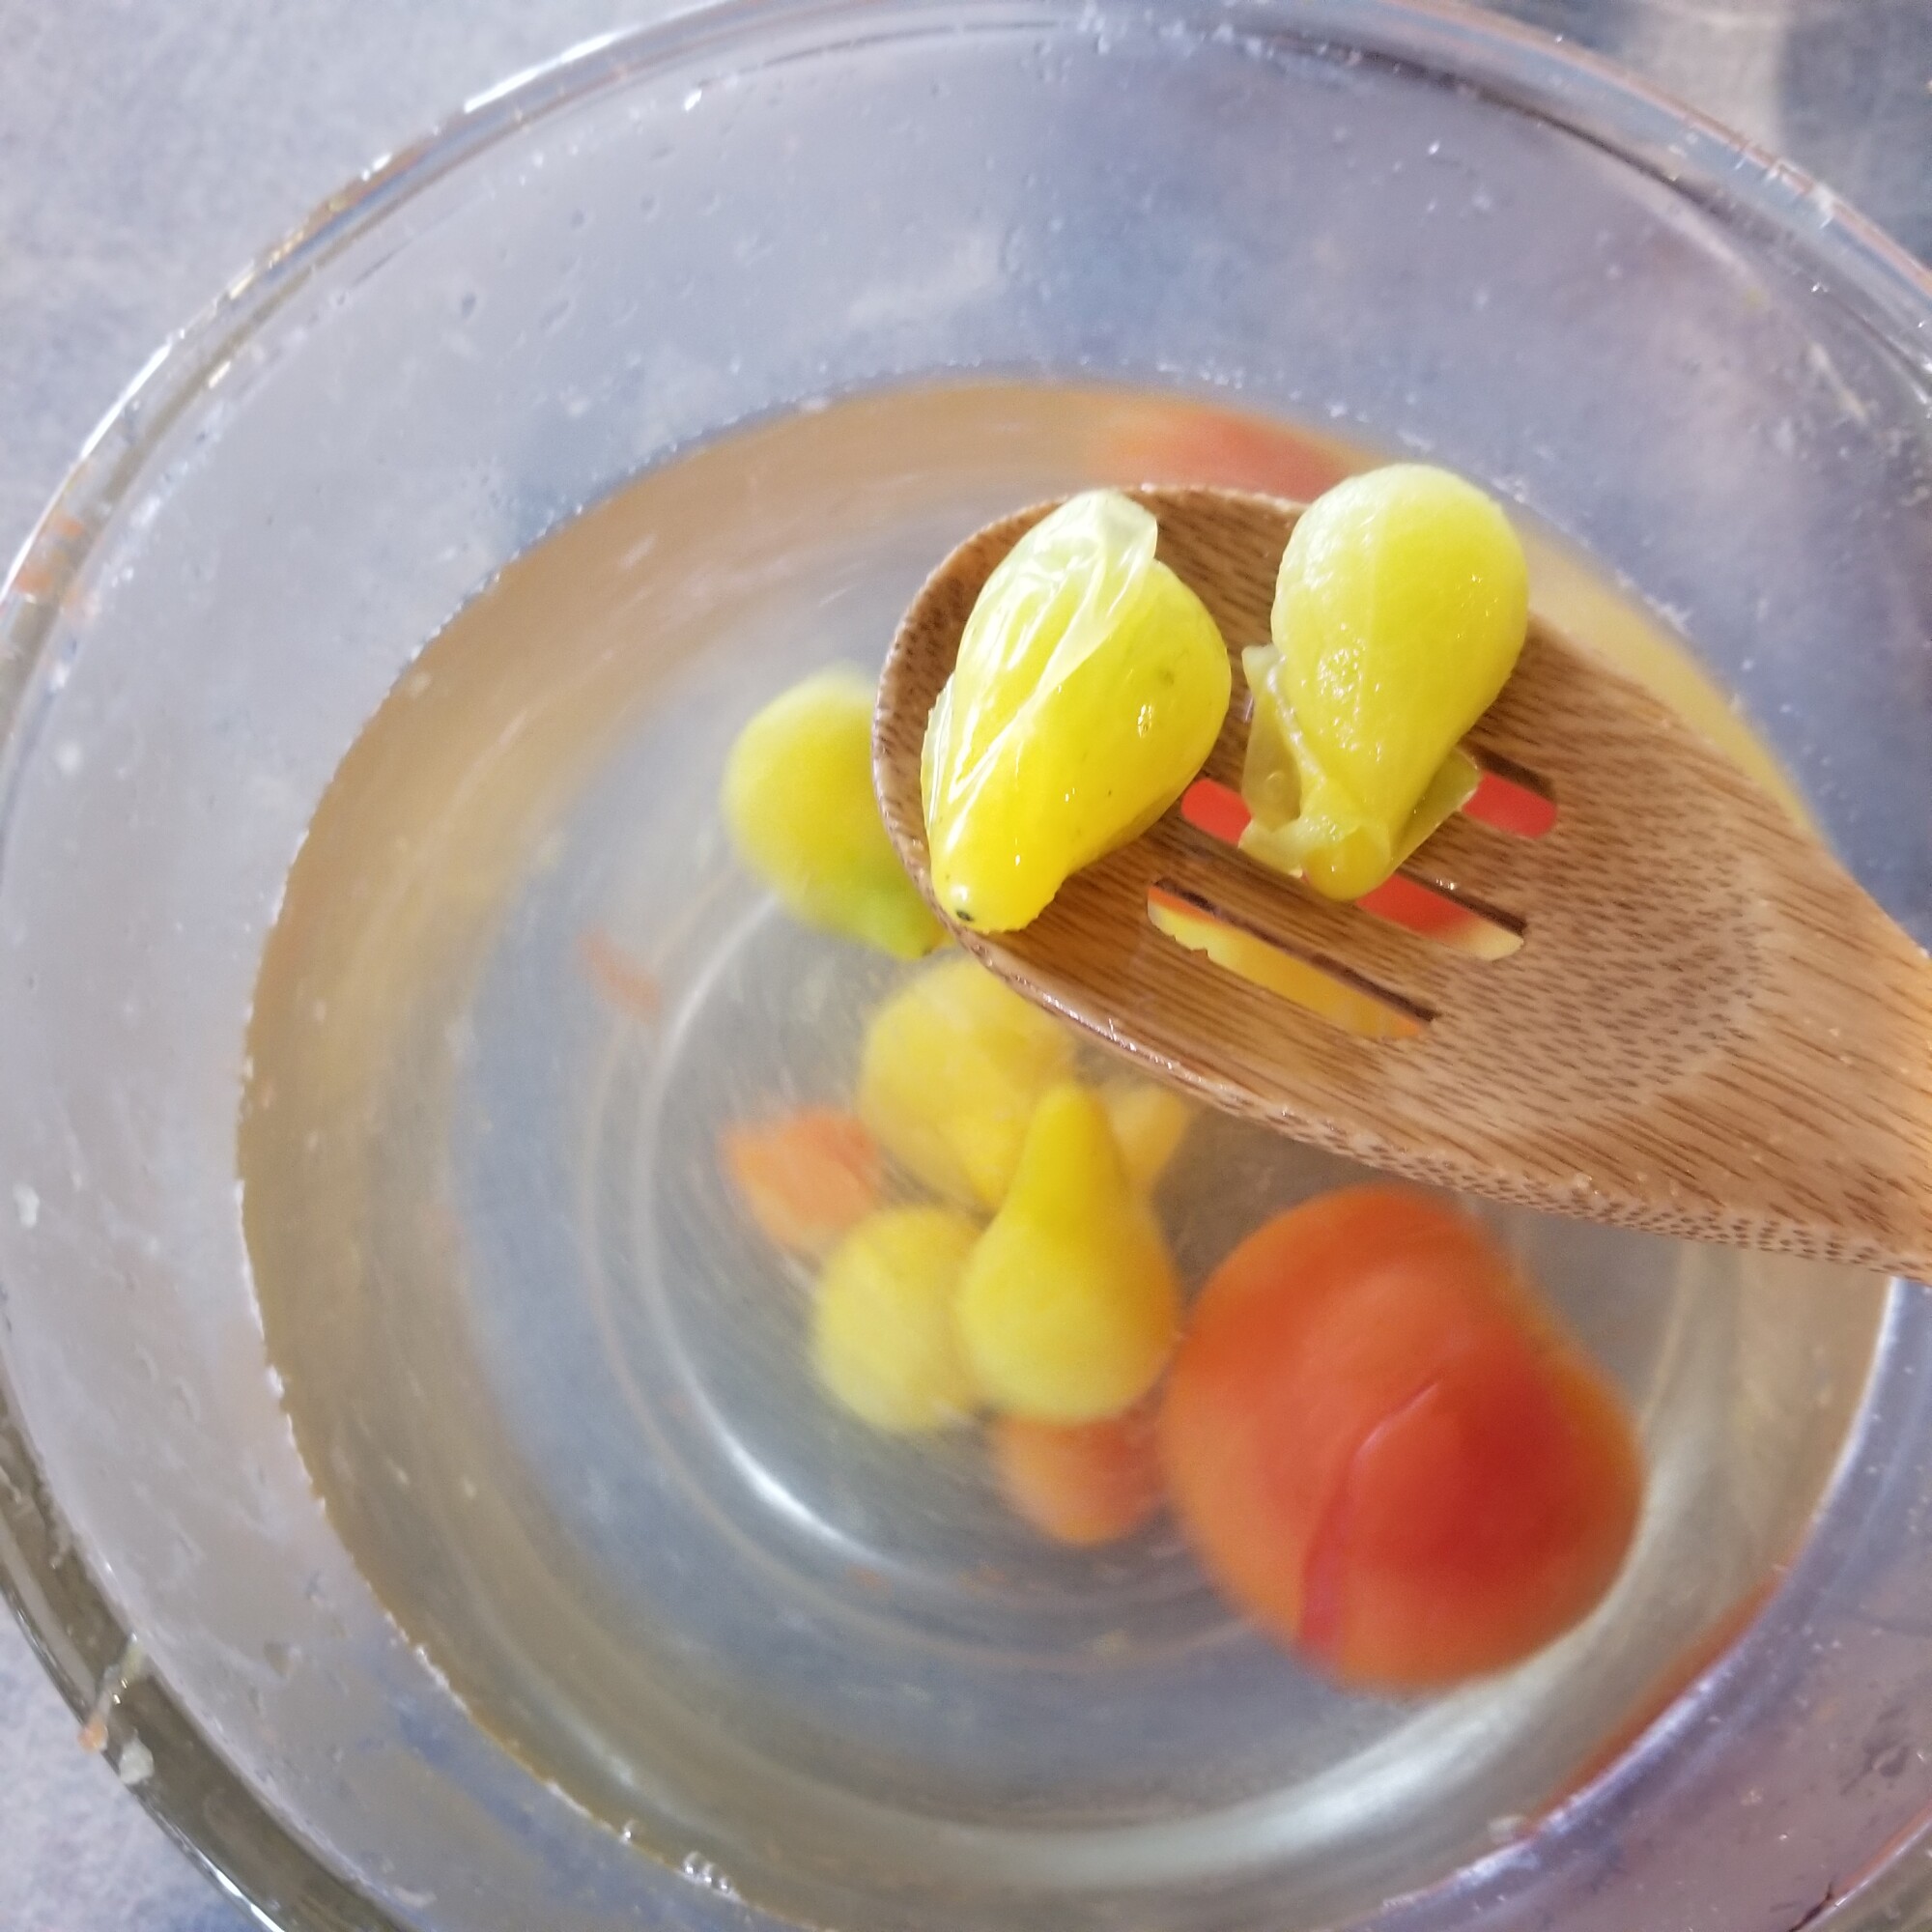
1709, 1030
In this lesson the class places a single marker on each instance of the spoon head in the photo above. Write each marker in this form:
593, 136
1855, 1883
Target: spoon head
1648, 1051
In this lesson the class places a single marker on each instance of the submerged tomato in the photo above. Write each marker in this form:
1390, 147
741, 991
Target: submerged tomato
1384, 1451
1069, 1304
799, 804
882, 1339
1084, 1483
953, 1066
805, 1177
1183, 442
1149, 1122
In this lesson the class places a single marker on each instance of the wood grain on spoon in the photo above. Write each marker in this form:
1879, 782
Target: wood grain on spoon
1710, 1029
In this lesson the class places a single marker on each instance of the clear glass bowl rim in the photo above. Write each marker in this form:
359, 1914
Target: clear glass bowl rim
191, 1792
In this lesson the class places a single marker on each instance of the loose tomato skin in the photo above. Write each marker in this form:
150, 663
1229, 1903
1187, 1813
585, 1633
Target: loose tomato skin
1386, 1451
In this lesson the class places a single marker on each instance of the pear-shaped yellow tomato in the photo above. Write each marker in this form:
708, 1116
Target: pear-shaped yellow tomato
882, 1339
1399, 614
1089, 688
1069, 1307
800, 807
953, 1064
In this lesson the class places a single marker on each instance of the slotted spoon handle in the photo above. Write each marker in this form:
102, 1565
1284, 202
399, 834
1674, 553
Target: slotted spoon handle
1709, 1031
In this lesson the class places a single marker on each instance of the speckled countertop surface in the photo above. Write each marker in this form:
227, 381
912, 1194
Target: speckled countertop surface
147, 149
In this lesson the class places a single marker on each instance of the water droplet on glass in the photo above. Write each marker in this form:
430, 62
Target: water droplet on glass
700, 1871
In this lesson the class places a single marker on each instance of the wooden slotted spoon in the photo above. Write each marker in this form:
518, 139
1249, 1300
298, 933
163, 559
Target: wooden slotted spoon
1708, 1030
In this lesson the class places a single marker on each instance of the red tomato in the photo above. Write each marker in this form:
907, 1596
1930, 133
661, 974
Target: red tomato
1384, 1451
1085, 1483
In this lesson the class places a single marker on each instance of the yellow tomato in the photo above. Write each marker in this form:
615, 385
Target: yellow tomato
883, 1337
953, 1067
1149, 1122
1399, 614
800, 807
1089, 688
1069, 1307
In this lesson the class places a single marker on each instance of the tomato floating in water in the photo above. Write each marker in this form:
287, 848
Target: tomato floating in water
1387, 1453
953, 1067
1084, 1483
1069, 1305
804, 1178
882, 1335
799, 804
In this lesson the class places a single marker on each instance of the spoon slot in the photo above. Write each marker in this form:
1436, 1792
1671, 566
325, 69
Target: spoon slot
1510, 798
1323, 986
1428, 907
1432, 909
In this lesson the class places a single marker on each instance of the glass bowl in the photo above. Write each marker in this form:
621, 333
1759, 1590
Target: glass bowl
404, 1455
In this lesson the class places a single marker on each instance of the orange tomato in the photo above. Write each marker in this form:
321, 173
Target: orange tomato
1384, 1451
1082, 1483
804, 1178
1161, 442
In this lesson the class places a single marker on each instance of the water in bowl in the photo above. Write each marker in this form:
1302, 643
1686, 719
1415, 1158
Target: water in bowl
554, 1389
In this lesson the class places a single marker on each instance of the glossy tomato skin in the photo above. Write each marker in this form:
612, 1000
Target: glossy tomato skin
1386, 1451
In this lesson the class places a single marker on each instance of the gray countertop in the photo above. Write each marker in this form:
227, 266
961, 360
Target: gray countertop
146, 151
